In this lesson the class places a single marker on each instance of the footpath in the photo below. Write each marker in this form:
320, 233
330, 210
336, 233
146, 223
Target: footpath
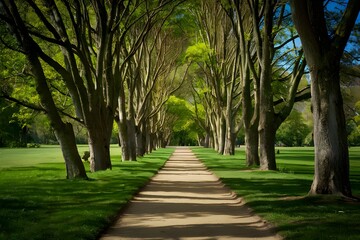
186, 201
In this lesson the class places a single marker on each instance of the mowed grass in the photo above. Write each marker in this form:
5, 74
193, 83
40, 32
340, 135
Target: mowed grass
37, 202
281, 196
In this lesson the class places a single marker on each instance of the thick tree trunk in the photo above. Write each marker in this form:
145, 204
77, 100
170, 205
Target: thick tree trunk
267, 128
251, 120
132, 139
330, 139
124, 142
252, 146
99, 134
266, 110
323, 54
128, 145
207, 139
99, 146
126, 130
64, 132
267, 148
229, 148
140, 140
74, 166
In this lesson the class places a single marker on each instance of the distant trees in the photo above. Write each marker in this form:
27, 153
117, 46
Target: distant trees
293, 131
217, 59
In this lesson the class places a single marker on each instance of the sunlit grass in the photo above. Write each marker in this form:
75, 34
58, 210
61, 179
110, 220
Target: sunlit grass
281, 196
37, 202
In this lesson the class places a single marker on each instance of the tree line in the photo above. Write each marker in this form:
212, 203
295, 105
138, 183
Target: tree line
97, 61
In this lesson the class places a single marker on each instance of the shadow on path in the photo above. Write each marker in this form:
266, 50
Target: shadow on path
186, 201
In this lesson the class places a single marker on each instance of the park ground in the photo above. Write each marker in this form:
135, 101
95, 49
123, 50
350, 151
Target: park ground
37, 202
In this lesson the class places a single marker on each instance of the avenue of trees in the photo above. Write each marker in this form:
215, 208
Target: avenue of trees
217, 73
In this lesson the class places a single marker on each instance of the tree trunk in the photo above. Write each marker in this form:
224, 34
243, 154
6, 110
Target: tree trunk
124, 142
252, 146
221, 126
323, 54
266, 110
132, 138
229, 147
99, 146
64, 132
140, 140
207, 139
74, 166
267, 148
126, 130
330, 139
266, 128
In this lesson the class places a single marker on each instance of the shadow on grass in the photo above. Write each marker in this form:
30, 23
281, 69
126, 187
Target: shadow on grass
281, 196
37, 202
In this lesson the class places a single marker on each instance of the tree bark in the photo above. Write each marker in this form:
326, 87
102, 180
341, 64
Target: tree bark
323, 54
74, 166
63, 131
229, 140
252, 146
132, 138
266, 109
141, 140
99, 145
330, 137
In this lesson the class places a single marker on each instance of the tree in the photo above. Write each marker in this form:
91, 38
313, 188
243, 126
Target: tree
217, 58
323, 49
293, 131
150, 58
11, 15
264, 53
181, 121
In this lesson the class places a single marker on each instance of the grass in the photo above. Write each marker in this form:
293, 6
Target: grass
37, 202
281, 196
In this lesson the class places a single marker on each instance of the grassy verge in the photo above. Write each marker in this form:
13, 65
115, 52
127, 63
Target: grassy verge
280, 196
37, 202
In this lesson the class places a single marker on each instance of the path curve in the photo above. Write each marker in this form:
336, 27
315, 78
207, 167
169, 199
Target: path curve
186, 201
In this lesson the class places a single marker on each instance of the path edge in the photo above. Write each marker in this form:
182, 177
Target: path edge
270, 226
113, 219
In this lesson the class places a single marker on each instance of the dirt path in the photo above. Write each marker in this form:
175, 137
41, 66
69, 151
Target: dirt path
186, 201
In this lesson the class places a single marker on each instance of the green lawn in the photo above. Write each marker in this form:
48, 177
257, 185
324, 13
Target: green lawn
280, 196
37, 202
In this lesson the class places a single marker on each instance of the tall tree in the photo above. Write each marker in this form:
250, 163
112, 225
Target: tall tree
263, 32
220, 70
240, 14
151, 59
11, 15
323, 49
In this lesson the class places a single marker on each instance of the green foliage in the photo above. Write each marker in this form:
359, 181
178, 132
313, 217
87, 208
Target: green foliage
199, 52
293, 131
12, 132
41, 204
354, 127
354, 136
180, 109
281, 196
184, 128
